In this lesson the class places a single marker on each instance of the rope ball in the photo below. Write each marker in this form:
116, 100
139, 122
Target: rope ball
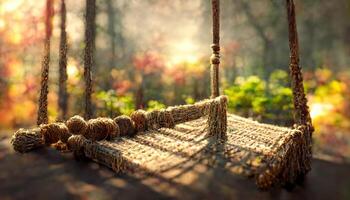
51, 132
140, 120
76, 125
64, 133
126, 125
75, 143
25, 140
101, 128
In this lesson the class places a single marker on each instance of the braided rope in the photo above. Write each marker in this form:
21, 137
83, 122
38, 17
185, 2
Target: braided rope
301, 113
215, 57
44, 90
139, 121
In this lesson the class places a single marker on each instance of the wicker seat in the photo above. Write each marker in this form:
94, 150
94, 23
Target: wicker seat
270, 154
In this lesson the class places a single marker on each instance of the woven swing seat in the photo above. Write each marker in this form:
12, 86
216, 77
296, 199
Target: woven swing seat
202, 133
272, 155
179, 137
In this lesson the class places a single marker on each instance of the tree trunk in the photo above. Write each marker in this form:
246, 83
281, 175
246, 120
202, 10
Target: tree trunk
139, 98
90, 29
42, 110
260, 30
116, 56
62, 91
111, 32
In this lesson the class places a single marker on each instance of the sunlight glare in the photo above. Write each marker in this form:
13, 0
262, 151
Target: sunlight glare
72, 70
320, 109
11, 5
183, 52
2, 24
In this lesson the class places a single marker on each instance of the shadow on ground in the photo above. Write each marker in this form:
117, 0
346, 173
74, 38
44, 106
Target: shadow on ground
48, 174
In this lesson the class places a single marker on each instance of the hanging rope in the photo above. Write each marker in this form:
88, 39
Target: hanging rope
301, 113
215, 57
89, 53
62, 91
44, 90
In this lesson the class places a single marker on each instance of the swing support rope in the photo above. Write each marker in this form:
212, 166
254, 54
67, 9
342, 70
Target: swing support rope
215, 57
301, 110
44, 90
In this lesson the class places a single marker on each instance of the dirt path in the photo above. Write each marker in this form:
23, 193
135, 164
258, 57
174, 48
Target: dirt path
47, 174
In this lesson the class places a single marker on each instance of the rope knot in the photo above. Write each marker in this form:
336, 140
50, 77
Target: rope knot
215, 57
215, 47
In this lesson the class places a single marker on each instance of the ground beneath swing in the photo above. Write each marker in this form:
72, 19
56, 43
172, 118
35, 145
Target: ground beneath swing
48, 174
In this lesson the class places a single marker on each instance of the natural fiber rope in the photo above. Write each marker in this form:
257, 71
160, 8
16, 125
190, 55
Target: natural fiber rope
165, 119
105, 128
217, 118
126, 125
77, 125
160, 118
83, 148
44, 90
44, 87
152, 120
215, 58
108, 156
140, 120
272, 155
301, 114
25, 140
101, 128
54, 132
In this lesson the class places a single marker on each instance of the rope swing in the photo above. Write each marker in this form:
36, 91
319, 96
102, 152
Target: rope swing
161, 141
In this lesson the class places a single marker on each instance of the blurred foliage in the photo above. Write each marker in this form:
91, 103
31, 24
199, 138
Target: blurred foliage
154, 105
189, 100
330, 107
111, 105
269, 101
